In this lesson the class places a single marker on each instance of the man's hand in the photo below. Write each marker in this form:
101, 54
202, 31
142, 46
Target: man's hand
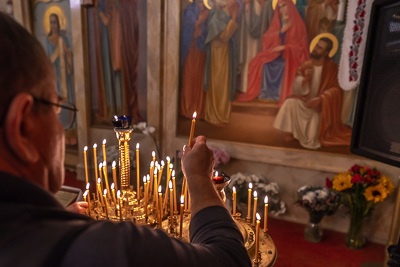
78, 207
308, 73
315, 103
199, 160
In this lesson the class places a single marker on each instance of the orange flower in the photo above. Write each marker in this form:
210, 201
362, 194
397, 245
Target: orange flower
387, 184
342, 181
376, 193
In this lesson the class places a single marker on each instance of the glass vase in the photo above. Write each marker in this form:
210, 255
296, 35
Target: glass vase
355, 238
313, 229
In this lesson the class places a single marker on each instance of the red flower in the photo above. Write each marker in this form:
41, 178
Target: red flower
354, 65
356, 28
351, 78
356, 179
373, 173
359, 39
360, 2
362, 13
367, 179
351, 53
328, 183
355, 168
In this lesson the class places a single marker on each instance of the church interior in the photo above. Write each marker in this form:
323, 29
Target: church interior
273, 86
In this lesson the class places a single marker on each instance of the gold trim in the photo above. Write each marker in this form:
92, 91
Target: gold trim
327, 35
274, 2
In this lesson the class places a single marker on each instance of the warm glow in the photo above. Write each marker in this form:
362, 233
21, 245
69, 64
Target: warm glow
170, 184
171, 166
250, 185
162, 163
151, 164
104, 164
119, 193
87, 186
100, 165
258, 217
98, 180
105, 192
116, 117
234, 189
194, 115
85, 194
216, 173
104, 141
255, 194
95, 145
153, 154
148, 178
168, 159
112, 186
173, 173
114, 164
182, 200
266, 200
159, 189
137, 146
85, 148
144, 179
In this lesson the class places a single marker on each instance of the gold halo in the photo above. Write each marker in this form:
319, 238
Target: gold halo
61, 17
206, 4
327, 35
274, 2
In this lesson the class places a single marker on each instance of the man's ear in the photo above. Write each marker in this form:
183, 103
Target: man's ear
19, 122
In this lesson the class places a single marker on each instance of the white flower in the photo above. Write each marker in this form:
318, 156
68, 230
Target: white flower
309, 196
321, 194
149, 130
272, 187
141, 126
302, 188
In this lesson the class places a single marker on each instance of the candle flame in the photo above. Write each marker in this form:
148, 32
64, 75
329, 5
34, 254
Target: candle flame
151, 164
105, 192
144, 179
95, 145
119, 193
85, 148
98, 180
159, 189
87, 186
104, 164
216, 173
85, 194
137, 146
258, 216
162, 163
116, 117
100, 165
170, 184
153, 154
148, 178
250, 185
168, 159
173, 174
255, 194
112, 186
234, 189
194, 115
114, 164
266, 200
104, 141
156, 164
171, 166
182, 199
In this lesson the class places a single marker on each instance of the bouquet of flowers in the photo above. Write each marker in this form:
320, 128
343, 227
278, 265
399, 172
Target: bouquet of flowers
363, 187
318, 201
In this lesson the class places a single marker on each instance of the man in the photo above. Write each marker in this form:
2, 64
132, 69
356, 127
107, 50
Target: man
313, 113
37, 231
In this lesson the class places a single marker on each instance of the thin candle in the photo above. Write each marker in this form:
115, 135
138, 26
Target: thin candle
168, 162
148, 187
95, 160
155, 198
101, 176
145, 196
185, 193
106, 178
105, 201
173, 184
192, 129
151, 172
171, 205
87, 189
119, 207
255, 207
113, 193
114, 171
249, 202
160, 172
265, 214
99, 191
234, 201
137, 172
257, 236
153, 154
159, 207
85, 159
166, 191
84, 199
181, 218
104, 150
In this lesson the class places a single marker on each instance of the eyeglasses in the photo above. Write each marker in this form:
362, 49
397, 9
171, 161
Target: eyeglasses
66, 112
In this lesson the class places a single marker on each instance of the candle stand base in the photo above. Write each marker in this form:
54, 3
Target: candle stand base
248, 220
237, 216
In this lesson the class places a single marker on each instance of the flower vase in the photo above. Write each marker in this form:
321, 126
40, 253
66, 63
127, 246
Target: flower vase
313, 229
355, 238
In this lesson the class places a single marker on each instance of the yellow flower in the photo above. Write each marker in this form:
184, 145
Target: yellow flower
387, 184
376, 193
342, 181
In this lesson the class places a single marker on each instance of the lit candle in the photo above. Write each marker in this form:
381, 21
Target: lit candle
171, 204
160, 172
84, 196
173, 184
255, 208
85, 159
265, 214
234, 201
137, 172
106, 178
113, 193
218, 179
257, 236
159, 207
185, 192
87, 189
249, 202
145, 196
114, 171
148, 187
99, 191
153, 154
181, 219
168, 162
119, 205
105, 201
151, 171
104, 150
95, 160
155, 198
192, 129
101, 176
166, 191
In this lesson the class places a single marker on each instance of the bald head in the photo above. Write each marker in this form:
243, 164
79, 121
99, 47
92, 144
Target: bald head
24, 66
